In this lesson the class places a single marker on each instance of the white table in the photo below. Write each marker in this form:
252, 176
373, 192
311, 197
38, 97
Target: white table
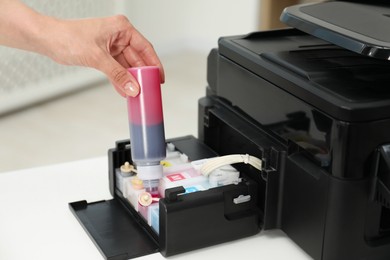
36, 223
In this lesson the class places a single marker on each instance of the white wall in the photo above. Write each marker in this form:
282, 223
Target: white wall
172, 25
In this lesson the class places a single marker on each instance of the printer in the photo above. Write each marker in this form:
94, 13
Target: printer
313, 103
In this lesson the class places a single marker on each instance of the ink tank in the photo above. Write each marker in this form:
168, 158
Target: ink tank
146, 125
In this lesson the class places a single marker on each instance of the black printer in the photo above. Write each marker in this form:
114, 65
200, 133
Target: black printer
313, 103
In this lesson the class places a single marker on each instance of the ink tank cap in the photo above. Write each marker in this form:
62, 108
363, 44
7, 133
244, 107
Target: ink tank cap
150, 172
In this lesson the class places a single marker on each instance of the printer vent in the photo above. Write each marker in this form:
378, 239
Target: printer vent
382, 176
383, 195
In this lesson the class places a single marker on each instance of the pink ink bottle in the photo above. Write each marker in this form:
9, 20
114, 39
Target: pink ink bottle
147, 127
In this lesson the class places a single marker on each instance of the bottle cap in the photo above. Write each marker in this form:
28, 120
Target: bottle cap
127, 168
137, 183
145, 199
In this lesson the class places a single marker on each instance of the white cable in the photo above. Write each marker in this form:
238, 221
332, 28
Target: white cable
215, 163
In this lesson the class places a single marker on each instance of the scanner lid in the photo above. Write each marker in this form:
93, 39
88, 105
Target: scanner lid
359, 27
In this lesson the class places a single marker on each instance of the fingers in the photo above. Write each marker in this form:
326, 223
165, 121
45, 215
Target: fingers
126, 48
132, 57
122, 60
140, 51
149, 55
136, 59
123, 81
136, 49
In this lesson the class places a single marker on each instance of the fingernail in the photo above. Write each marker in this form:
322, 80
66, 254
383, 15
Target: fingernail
131, 90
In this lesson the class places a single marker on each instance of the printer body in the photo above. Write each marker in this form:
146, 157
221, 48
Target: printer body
318, 116
314, 100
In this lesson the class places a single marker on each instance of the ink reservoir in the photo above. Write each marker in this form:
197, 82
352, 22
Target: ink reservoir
146, 125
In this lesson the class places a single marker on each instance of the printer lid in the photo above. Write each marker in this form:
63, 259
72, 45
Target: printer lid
360, 27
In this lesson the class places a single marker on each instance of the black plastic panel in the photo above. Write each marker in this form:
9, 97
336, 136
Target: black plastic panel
114, 232
206, 218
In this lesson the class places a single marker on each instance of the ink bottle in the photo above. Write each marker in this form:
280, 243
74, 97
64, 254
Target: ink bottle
146, 125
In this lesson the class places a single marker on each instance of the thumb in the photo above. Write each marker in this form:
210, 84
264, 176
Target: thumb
122, 80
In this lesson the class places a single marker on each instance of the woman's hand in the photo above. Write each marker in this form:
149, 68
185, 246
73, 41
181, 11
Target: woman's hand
110, 44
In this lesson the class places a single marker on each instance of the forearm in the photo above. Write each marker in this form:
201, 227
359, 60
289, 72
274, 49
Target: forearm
109, 44
23, 28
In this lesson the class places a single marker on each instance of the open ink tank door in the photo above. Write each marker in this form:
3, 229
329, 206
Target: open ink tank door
146, 124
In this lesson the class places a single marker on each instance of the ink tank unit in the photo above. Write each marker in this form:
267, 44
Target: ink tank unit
310, 125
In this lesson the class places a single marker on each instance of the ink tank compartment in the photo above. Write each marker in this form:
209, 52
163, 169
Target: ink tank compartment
120, 232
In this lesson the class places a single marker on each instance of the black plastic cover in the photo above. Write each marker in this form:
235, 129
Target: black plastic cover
115, 234
202, 219
362, 28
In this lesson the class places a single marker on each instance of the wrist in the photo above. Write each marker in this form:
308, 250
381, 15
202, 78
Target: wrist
23, 28
43, 35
